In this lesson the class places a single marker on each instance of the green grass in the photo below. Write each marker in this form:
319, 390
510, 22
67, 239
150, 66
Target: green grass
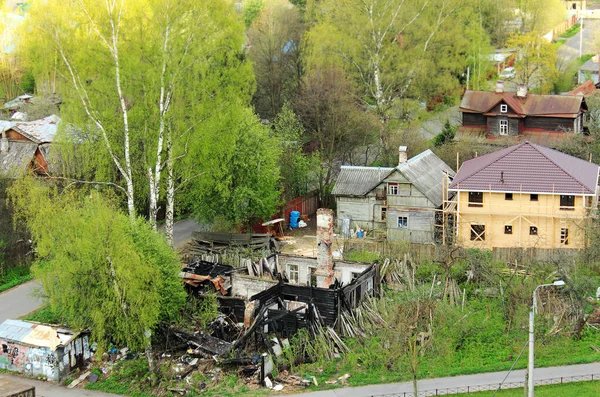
13, 277
361, 256
559, 42
584, 58
579, 389
572, 31
45, 315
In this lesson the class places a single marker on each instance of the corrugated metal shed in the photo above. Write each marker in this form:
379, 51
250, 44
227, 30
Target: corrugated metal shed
41, 131
34, 334
528, 168
358, 181
426, 172
567, 106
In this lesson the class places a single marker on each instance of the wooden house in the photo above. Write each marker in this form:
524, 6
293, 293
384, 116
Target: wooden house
400, 201
520, 115
525, 196
26, 145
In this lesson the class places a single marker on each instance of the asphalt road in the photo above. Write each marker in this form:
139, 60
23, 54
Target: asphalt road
458, 381
570, 50
19, 301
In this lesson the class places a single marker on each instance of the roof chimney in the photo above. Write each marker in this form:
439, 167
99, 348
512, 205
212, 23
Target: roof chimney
325, 273
522, 90
3, 143
402, 154
499, 86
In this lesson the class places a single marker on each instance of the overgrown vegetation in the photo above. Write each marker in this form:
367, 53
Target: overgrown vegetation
12, 277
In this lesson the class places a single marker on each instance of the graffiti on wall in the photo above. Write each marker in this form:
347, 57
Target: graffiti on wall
34, 361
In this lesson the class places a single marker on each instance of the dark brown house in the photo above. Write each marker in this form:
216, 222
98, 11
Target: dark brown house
520, 114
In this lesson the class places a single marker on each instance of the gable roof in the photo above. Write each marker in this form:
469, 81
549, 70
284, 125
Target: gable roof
14, 162
586, 88
529, 168
424, 171
566, 106
358, 181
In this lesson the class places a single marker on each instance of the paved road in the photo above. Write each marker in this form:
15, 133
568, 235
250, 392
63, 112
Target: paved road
434, 125
19, 301
182, 231
458, 381
47, 389
570, 50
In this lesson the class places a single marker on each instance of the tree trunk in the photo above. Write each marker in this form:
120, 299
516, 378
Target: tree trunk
170, 192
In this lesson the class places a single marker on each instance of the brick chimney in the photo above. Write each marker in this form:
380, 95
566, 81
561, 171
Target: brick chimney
402, 154
499, 86
522, 91
325, 273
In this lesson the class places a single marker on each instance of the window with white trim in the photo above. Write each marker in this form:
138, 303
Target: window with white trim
393, 189
503, 127
503, 108
292, 273
403, 222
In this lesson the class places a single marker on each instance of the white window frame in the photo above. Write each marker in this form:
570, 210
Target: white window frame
293, 273
402, 222
503, 108
392, 189
503, 126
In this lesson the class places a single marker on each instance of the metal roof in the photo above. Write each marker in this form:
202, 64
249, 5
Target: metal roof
35, 334
358, 181
14, 162
565, 106
425, 171
530, 168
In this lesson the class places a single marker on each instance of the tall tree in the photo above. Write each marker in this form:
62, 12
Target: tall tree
335, 125
535, 65
275, 39
539, 15
142, 79
97, 267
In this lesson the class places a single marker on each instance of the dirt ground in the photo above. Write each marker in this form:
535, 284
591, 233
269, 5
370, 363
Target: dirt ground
303, 241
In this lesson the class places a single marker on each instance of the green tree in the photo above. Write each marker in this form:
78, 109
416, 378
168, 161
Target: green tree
163, 73
335, 125
98, 268
297, 168
535, 65
275, 37
241, 182
539, 16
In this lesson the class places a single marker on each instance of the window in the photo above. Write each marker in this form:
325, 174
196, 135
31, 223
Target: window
393, 189
507, 196
533, 197
508, 229
475, 199
567, 202
477, 232
503, 108
403, 222
4, 348
383, 213
292, 273
533, 230
564, 236
503, 127
313, 276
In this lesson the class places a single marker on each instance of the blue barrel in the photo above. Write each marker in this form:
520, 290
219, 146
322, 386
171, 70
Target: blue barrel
360, 234
294, 218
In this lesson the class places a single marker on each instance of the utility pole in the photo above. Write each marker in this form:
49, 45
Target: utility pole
582, 16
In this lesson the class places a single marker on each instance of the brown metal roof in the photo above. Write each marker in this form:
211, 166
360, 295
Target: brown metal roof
586, 88
566, 106
529, 168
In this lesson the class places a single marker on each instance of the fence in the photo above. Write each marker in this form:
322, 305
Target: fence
492, 386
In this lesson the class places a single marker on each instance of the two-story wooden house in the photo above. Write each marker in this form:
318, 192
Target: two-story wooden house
402, 201
520, 115
526, 196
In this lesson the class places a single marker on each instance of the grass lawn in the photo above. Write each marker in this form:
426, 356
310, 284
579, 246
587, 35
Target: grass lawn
579, 389
572, 31
14, 277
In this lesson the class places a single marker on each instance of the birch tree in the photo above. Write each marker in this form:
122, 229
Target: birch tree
142, 79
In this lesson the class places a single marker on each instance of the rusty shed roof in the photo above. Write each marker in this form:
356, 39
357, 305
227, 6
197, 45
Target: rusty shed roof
35, 334
566, 106
528, 168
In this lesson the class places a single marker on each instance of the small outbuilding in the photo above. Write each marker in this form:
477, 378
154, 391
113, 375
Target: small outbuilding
42, 350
